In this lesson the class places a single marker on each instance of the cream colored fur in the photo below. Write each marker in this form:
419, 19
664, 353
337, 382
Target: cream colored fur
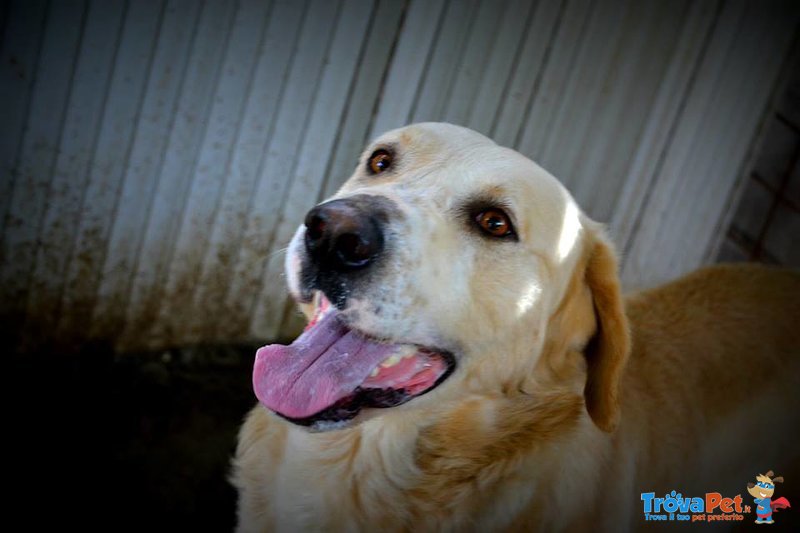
567, 400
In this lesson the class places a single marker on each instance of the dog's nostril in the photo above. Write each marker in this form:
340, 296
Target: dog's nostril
315, 228
353, 251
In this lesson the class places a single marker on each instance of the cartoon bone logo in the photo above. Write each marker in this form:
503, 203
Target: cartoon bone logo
762, 492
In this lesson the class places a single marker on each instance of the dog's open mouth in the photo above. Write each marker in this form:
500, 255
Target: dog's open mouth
330, 372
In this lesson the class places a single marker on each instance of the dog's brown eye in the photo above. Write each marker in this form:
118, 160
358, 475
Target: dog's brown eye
379, 161
494, 222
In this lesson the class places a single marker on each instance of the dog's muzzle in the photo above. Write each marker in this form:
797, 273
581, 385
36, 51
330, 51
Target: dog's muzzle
345, 241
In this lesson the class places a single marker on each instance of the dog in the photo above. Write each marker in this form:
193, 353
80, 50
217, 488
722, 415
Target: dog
470, 363
762, 491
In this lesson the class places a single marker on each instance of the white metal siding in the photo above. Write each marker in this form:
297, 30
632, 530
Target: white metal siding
156, 156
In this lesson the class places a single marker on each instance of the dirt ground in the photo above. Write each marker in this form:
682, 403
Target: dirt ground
137, 442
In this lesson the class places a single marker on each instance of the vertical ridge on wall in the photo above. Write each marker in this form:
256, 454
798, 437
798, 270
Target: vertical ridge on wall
628, 85
527, 77
122, 106
136, 191
173, 119
539, 123
711, 143
84, 110
20, 49
66, 223
156, 157
257, 128
37, 154
372, 69
211, 167
442, 60
397, 98
683, 64
493, 84
583, 85
184, 162
473, 62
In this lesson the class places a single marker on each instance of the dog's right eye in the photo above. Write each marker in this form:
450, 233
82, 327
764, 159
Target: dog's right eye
494, 222
379, 161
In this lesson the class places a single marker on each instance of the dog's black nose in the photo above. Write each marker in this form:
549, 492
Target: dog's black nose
341, 235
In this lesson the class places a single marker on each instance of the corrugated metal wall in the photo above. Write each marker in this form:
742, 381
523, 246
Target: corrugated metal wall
157, 155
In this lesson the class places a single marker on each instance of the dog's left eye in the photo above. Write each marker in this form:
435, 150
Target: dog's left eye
379, 161
494, 222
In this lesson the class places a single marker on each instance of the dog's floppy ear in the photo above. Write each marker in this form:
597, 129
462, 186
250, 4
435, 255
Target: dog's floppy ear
608, 350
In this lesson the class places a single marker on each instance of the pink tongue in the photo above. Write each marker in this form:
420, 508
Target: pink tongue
323, 365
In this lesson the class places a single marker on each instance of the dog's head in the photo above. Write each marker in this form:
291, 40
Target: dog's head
445, 262
764, 486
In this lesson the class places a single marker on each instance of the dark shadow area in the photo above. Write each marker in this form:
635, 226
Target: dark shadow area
136, 442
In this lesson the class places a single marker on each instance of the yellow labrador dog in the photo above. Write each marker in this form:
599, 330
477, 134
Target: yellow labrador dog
470, 363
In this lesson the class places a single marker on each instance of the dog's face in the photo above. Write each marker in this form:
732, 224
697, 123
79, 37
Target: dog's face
763, 488
438, 262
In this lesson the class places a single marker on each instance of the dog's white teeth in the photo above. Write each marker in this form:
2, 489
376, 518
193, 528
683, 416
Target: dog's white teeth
405, 351
401, 353
374, 372
391, 361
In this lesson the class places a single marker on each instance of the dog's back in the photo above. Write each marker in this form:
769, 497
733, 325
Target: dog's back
714, 377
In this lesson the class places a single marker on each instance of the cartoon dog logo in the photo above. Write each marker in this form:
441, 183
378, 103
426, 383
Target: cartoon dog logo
762, 491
